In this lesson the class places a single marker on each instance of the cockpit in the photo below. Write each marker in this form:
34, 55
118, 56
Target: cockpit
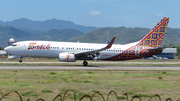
14, 44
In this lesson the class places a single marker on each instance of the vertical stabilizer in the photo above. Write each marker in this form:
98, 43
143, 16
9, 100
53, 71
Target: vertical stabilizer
155, 37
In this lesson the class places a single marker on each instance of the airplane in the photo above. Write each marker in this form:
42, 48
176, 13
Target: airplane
71, 51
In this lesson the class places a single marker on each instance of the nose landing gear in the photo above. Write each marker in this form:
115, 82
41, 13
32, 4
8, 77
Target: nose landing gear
85, 63
20, 60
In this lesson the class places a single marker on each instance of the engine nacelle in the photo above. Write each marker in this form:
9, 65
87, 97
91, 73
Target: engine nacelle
66, 57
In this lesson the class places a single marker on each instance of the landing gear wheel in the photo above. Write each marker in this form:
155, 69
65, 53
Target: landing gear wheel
85, 63
20, 61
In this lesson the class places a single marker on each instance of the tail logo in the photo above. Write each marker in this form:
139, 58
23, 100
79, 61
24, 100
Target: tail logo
152, 40
162, 29
155, 35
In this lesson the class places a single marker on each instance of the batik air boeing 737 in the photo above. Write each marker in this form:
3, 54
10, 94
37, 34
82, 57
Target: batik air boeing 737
70, 51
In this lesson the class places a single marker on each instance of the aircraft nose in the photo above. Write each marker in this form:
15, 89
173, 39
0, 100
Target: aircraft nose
6, 49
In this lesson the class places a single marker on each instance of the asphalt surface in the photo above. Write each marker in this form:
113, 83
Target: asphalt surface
107, 62
90, 67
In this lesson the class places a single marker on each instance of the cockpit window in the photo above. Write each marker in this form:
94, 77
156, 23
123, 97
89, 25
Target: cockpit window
14, 44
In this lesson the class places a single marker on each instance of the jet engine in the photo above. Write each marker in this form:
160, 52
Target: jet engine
66, 57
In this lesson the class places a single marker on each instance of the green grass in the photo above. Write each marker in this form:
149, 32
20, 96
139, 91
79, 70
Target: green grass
47, 91
160, 77
143, 95
164, 72
52, 73
47, 84
120, 97
26, 94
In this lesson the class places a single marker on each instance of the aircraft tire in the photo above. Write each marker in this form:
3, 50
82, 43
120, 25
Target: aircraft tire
85, 63
20, 61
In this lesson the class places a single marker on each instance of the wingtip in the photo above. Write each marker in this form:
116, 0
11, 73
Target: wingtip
114, 38
110, 43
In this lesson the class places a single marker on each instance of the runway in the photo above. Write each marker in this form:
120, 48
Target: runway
107, 62
10, 67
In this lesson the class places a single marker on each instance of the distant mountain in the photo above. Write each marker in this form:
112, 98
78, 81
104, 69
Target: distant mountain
123, 35
31, 31
126, 35
172, 36
47, 25
7, 32
59, 35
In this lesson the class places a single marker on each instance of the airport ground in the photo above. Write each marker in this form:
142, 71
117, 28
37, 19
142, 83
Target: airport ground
137, 62
47, 83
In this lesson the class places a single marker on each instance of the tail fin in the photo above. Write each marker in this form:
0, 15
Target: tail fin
155, 37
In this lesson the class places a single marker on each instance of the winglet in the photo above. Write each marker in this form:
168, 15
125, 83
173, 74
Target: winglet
110, 44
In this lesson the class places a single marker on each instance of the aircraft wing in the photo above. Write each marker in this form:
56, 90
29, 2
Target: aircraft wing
157, 49
95, 52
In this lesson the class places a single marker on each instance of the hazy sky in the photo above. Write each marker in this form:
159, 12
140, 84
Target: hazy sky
98, 13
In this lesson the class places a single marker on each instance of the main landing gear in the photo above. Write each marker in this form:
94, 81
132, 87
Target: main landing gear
85, 63
20, 60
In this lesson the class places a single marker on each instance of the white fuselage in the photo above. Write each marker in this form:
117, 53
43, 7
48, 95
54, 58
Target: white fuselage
50, 49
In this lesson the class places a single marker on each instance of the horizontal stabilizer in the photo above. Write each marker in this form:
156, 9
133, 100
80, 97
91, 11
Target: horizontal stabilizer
160, 48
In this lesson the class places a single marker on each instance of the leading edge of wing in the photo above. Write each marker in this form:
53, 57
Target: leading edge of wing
98, 50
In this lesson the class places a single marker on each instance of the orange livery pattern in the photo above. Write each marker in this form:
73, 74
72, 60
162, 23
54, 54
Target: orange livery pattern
152, 40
